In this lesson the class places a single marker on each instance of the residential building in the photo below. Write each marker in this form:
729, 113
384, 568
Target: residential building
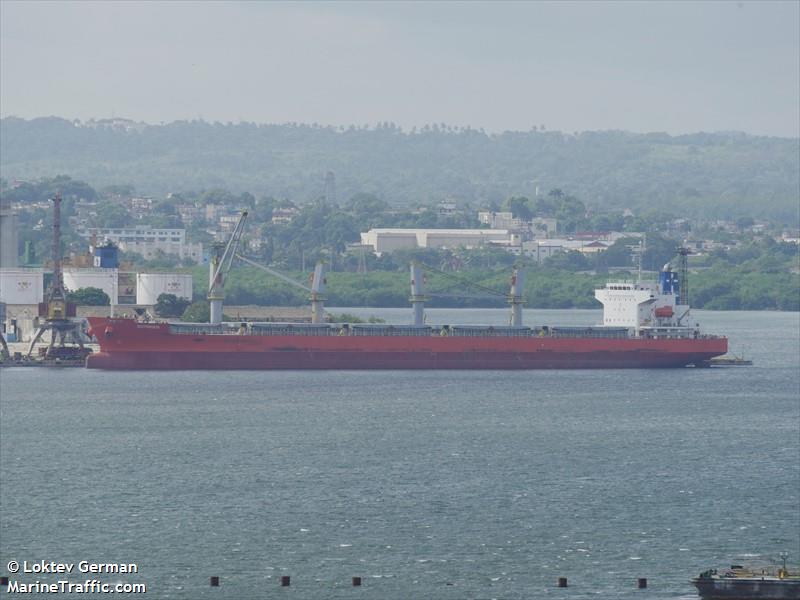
213, 211
282, 216
139, 208
447, 208
190, 213
227, 223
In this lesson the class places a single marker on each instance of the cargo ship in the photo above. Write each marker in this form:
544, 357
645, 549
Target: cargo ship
740, 583
645, 325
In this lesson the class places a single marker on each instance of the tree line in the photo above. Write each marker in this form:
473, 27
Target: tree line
721, 175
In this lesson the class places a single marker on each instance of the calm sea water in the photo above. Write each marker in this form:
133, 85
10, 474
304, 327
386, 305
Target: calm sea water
426, 484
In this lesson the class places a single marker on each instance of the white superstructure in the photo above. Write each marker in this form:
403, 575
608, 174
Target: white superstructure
644, 304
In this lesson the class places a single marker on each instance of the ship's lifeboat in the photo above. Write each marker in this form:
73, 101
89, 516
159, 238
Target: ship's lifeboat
664, 312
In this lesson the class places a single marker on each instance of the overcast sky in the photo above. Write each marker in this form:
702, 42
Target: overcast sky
670, 66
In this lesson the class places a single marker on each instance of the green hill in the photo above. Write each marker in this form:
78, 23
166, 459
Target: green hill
719, 175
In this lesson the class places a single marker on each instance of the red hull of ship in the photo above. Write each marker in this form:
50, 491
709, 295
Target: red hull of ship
126, 344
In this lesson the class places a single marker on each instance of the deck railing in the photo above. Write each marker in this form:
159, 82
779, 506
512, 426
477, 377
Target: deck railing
477, 331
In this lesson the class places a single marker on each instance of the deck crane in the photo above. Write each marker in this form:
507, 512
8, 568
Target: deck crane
221, 265
419, 296
317, 289
218, 270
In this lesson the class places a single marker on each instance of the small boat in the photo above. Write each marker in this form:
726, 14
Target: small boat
730, 361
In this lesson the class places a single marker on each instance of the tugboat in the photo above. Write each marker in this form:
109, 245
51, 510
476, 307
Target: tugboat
749, 584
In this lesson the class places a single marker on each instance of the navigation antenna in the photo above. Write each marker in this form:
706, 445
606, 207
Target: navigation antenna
640, 258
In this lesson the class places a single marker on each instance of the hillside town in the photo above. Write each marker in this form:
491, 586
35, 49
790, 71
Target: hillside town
131, 249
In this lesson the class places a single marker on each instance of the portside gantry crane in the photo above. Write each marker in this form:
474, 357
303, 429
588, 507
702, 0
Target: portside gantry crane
55, 309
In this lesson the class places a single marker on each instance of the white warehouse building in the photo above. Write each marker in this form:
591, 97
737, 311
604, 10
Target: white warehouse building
387, 240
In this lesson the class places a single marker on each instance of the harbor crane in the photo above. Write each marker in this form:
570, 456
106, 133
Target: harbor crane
55, 309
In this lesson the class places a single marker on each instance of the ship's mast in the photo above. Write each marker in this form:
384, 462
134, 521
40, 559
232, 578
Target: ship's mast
318, 294
515, 297
417, 293
640, 258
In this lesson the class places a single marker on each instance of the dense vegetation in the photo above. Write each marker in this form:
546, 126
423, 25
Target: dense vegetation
169, 305
721, 175
90, 296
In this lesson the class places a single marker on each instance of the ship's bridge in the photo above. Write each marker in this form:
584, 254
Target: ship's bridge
642, 304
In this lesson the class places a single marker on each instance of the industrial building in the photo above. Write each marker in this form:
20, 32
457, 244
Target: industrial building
387, 240
22, 289
25, 291
540, 250
148, 241
538, 226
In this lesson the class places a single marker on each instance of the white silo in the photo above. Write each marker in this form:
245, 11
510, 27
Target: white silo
149, 286
103, 279
21, 286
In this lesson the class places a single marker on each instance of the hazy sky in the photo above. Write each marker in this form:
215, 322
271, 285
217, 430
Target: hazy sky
641, 66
